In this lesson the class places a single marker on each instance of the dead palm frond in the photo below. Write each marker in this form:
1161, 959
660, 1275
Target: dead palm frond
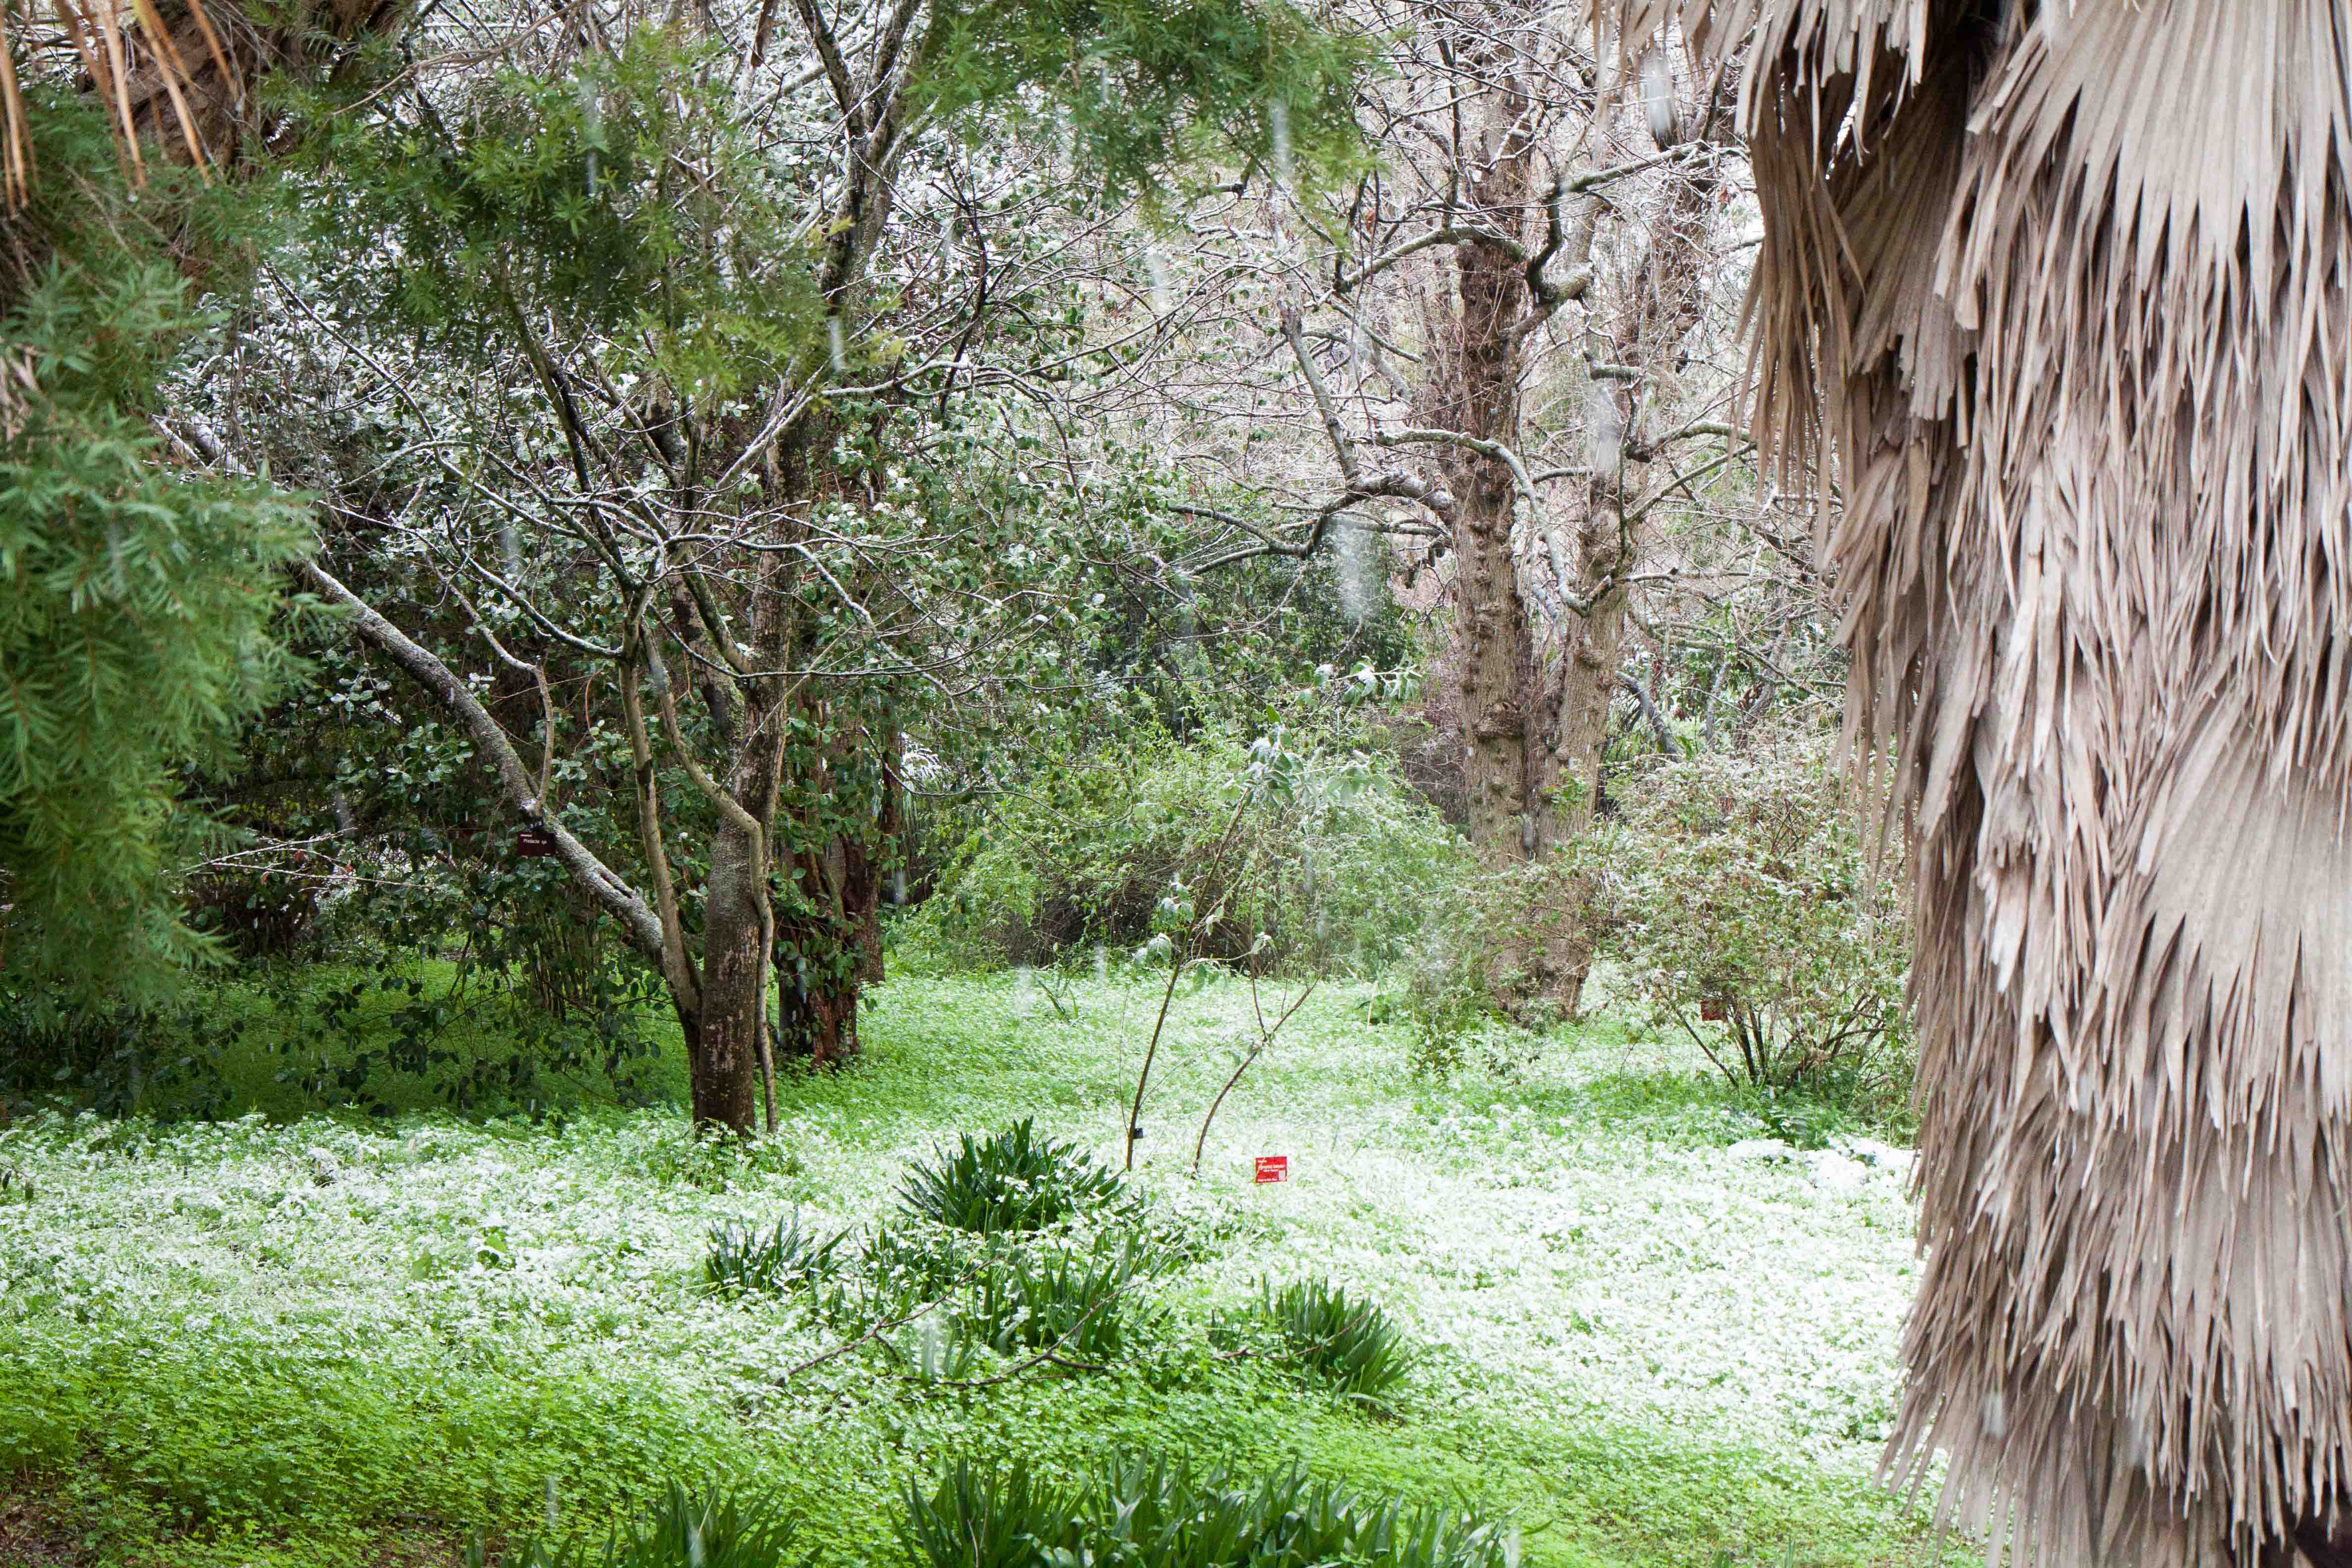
131, 59
2057, 292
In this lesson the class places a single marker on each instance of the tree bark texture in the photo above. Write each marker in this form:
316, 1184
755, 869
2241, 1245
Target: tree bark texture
725, 1064
1568, 734
1472, 386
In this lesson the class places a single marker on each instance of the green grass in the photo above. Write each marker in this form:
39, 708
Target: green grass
320, 1342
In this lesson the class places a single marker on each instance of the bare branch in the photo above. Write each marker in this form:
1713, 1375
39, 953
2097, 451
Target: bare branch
637, 918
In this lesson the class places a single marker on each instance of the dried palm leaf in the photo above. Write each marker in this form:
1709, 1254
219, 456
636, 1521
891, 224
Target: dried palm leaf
2058, 293
129, 61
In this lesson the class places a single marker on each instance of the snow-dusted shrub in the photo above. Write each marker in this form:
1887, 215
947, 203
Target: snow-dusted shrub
1340, 868
1736, 890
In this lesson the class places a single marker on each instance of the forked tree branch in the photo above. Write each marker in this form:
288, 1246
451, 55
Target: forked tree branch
638, 921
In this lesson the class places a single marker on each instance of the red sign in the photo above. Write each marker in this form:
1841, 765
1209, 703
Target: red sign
534, 844
1273, 1168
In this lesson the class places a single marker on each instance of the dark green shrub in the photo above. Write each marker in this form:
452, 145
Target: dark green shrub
1017, 1180
974, 1266
118, 1060
681, 1531
744, 1259
1149, 1513
1352, 1344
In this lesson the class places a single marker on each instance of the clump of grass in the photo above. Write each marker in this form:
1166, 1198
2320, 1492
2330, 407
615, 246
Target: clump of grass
745, 1261
1152, 1514
1008, 1294
1351, 1344
1016, 1180
1081, 1302
683, 1530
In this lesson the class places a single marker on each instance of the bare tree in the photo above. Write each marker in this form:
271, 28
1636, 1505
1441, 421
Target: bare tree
1549, 229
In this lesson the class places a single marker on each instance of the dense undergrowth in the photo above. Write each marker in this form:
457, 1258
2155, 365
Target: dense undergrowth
339, 1338
1337, 869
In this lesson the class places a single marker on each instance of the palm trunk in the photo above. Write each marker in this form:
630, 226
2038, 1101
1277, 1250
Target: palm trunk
2082, 378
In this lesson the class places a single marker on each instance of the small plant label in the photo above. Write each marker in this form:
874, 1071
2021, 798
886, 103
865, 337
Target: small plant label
1273, 1168
534, 844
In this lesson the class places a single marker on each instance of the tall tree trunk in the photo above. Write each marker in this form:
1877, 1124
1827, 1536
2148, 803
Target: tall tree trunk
726, 1060
1571, 728
823, 960
844, 882
1472, 387
867, 862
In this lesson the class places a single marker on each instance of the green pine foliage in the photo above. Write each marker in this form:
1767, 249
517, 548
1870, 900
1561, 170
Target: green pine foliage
138, 599
563, 194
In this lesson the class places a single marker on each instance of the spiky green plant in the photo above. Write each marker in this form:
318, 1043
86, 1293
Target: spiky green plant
1081, 1302
1149, 1513
978, 1516
1016, 1180
1351, 1345
743, 1260
682, 1529
900, 1270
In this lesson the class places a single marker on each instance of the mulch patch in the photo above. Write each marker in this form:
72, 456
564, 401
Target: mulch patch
33, 1535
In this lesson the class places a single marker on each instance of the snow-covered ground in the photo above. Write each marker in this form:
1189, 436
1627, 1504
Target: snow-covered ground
1569, 1256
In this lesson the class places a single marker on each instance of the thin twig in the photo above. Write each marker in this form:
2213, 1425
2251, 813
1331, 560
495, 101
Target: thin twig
1264, 1041
1178, 961
879, 1330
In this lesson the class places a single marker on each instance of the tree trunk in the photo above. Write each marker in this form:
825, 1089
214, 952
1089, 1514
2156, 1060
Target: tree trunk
725, 1064
1568, 759
1472, 387
1571, 730
823, 967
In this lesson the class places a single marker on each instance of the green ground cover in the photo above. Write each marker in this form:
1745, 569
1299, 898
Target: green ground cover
343, 1339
